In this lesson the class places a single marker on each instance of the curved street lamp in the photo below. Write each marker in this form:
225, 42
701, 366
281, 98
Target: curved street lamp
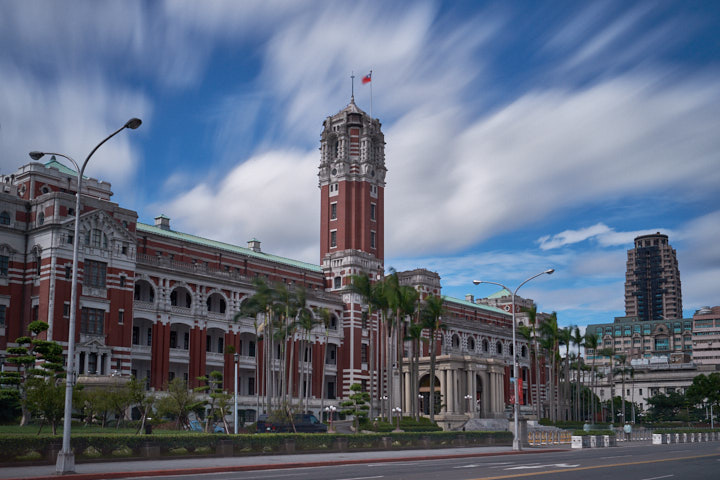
66, 459
516, 405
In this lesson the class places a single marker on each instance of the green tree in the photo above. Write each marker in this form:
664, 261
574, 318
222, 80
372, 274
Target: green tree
578, 339
356, 405
592, 341
217, 398
33, 357
179, 402
532, 338
550, 341
370, 294
431, 314
666, 407
610, 352
46, 399
142, 400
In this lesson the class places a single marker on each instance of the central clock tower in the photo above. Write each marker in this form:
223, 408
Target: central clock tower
352, 192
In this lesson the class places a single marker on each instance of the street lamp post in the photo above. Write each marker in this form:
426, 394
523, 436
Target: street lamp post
236, 357
516, 404
397, 411
330, 412
66, 459
468, 398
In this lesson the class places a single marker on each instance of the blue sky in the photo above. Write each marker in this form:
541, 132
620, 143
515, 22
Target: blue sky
520, 135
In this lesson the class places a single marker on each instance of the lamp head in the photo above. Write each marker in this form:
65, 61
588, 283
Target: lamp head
36, 155
133, 123
477, 282
550, 271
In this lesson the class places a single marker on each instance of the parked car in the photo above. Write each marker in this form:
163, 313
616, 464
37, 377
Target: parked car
303, 423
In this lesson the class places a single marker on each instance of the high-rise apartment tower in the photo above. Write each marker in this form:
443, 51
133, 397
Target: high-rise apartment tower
652, 281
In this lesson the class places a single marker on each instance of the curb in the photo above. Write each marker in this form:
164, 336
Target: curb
277, 466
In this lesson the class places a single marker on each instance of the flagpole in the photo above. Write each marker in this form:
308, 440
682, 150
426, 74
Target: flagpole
371, 116
352, 85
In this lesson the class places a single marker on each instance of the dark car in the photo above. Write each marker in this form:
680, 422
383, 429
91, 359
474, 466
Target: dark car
302, 422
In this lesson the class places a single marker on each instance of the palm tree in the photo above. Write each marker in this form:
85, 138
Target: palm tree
622, 370
370, 295
532, 320
565, 337
591, 343
550, 341
610, 352
406, 306
259, 305
306, 322
579, 340
415, 336
431, 319
325, 320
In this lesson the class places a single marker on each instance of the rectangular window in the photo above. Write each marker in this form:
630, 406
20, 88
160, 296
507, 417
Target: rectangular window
121, 317
68, 272
186, 340
149, 337
372, 239
96, 237
66, 309
136, 335
333, 211
373, 209
95, 274
2, 315
333, 238
220, 345
173, 339
251, 349
364, 353
251, 386
208, 343
92, 321
4, 263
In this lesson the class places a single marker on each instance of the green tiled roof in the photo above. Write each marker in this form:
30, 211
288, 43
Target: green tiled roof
500, 293
465, 303
53, 163
186, 237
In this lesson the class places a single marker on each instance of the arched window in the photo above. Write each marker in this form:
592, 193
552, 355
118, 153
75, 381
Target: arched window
471, 344
524, 351
41, 218
4, 218
455, 341
485, 346
499, 348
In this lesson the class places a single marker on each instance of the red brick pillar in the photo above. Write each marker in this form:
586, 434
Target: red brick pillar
198, 360
160, 359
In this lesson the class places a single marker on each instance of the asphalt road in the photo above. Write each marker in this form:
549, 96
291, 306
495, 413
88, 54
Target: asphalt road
697, 461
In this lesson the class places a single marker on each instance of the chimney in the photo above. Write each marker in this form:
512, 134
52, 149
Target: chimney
470, 298
254, 245
162, 221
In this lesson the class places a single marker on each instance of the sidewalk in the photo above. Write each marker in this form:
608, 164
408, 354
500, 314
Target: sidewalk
188, 466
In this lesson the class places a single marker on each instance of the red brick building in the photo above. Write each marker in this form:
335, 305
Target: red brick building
159, 304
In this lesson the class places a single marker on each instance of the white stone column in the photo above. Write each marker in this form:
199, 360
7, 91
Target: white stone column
485, 379
444, 390
408, 398
452, 391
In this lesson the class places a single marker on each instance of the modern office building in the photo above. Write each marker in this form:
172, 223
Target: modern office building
652, 280
706, 336
161, 304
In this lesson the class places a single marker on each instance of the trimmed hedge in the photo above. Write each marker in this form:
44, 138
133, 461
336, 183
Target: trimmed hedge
22, 447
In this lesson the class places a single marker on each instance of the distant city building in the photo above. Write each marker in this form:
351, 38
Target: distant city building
706, 336
662, 341
652, 280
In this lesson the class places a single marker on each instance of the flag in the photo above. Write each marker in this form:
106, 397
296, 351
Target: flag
367, 78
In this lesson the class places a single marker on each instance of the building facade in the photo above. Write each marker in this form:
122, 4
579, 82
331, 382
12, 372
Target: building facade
706, 336
160, 304
652, 281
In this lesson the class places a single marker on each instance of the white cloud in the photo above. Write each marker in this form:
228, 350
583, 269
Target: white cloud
264, 197
70, 117
604, 235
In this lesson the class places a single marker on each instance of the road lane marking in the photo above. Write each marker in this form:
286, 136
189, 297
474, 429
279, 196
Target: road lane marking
595, 467
559, 465
656, 478
360, 478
